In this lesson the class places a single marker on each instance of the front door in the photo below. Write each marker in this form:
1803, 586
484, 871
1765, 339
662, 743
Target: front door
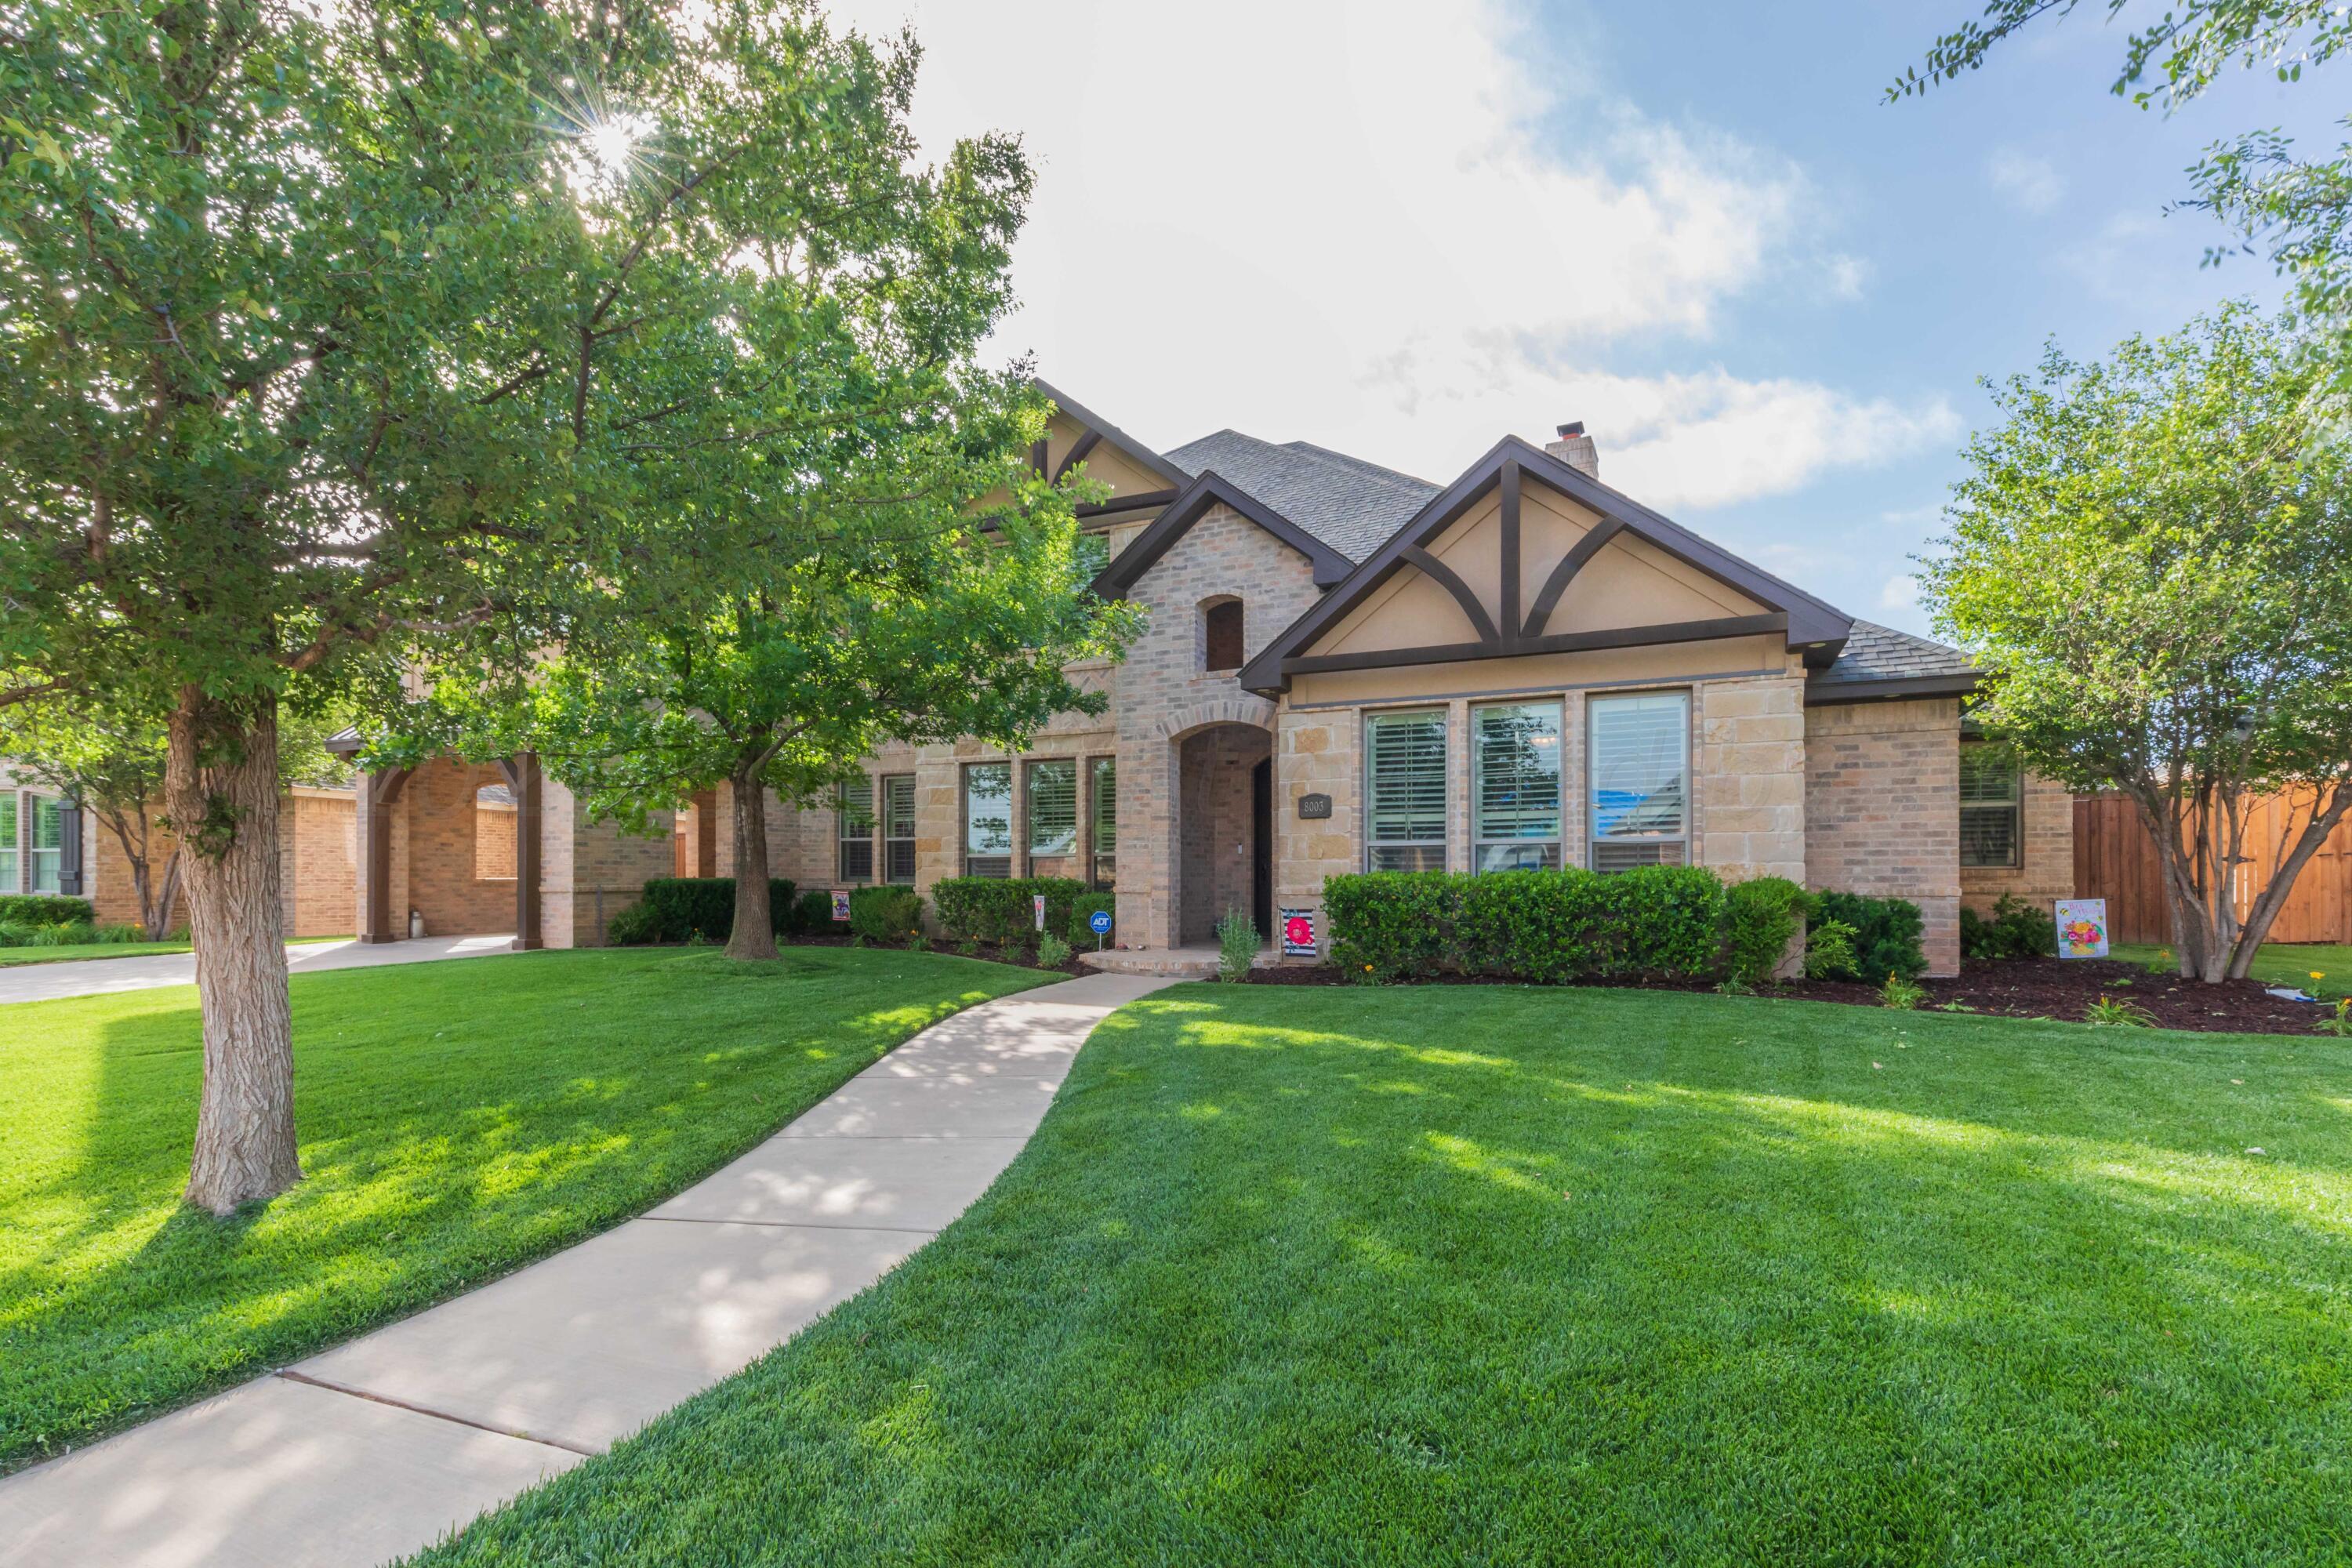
1261, 846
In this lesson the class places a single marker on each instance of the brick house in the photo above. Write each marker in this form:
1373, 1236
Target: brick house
1347, 668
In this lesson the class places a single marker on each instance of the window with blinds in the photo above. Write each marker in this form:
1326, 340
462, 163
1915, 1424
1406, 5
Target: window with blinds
898, 828
1991, 799
854, 813
1104, 785
10, 867
988, 819
1639, 766
45, 846
1404, 791
1515, 803
1054, 807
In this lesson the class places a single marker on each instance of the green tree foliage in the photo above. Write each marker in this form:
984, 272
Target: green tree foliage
336, 336
2152, 561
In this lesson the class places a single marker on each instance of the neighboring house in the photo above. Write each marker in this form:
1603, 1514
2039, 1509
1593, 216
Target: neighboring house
1351, 668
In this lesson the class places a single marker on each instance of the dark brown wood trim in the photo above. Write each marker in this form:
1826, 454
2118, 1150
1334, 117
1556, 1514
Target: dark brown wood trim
1510, 553
1138, 501
1076, 454
1564, 572
1037, 456
1829, 693
1567, 642
1446, 577
1177, 477
523, 777
1114, 580
376, 798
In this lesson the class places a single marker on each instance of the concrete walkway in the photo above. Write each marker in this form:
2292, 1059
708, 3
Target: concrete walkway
381, 1445
102, 977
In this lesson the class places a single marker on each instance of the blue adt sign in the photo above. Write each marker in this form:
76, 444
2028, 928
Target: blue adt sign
1099, 921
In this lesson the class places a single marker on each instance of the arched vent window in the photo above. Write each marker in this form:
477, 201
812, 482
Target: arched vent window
1221, 642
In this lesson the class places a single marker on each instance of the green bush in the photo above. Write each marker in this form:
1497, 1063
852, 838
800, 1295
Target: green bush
1828, 950
1759, 921
1886, 934
2016, 930
885, 916
687, 908
634, 926
45, 910
812, 914
1392, 925
1081, 912
1664, 920
998, 909
1545, 927
1053, 952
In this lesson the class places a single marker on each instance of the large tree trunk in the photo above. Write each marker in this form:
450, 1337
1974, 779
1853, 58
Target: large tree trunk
220, 785
753, 934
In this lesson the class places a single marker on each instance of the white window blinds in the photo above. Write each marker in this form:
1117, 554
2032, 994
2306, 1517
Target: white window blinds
988, 819
1054, 806
1405, 806
1640, 768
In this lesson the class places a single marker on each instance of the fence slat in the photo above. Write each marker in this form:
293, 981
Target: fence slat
2116, 859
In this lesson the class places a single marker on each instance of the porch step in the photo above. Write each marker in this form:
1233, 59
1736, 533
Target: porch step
1182, 962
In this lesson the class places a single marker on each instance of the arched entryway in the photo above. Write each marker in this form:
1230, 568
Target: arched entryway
1224, 808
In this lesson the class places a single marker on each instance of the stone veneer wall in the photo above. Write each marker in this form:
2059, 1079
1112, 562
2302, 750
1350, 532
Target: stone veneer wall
2045, 871
1883, 812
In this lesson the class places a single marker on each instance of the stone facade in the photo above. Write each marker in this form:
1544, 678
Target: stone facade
1883, 809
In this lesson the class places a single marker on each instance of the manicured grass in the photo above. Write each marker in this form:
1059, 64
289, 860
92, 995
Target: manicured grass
2280, 964
11, 957
457, 1119
1459, 1274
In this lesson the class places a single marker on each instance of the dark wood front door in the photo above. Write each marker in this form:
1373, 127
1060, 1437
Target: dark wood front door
1261, 846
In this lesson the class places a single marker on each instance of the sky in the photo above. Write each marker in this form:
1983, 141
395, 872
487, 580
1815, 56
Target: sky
1404, 229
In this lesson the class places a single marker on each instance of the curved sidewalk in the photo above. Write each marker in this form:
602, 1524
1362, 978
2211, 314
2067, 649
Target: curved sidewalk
383, 1445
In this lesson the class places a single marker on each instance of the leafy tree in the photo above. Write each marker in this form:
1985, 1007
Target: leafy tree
2152, 559
334, 336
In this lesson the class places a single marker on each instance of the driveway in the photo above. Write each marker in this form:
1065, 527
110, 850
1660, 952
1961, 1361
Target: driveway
102, 976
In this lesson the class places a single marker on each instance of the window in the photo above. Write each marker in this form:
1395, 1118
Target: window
45, 843
1641, 780
1221, 635
1106, 822
1515, 790
1054, 808
988, 819
9, 871
1991, 792
1404, 791
898, 828
854, 815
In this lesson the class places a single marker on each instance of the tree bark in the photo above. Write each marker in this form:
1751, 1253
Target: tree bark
753, 934
220, 785
2327, 812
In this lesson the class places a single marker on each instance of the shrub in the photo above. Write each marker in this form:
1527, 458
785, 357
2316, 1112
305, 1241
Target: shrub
1886, 934
634, 926
1901, 991
1082, 912
1664, 920
2016, 930
1237, 944
1390, 925
1828, 950
1053, 952
1759, 920
812, 914
685, 907
1541, 926
45, 910
998, 909
885, 915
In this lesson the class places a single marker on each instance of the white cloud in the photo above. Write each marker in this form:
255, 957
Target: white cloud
1900, 592
1398, 238
2029, 181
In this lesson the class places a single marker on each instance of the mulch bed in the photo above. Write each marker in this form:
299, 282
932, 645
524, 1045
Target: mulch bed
2014, 987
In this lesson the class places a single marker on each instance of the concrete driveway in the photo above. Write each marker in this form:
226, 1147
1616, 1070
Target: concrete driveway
102, 976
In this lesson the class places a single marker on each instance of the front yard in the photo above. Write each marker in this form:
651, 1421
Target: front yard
457, 1119
1455, 1274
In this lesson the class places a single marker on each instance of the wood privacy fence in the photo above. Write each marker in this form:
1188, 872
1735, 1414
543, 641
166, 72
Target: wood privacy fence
2115, 859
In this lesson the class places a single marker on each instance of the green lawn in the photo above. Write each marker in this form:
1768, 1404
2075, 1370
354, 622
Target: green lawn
1479, 1275
12, 956
2280, 964
457, 1119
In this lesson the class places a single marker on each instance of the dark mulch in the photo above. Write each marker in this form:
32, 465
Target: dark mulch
2013, 987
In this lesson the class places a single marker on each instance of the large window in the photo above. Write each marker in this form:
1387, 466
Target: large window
11, 868
855, 815
1514, 786
1991, 790
1052, 808
1104, 804
1640, 768
45, 843
988, 819
898, 828
1404, 791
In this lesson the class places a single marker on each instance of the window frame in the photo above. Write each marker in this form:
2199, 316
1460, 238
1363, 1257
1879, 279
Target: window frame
2013, 808
1443, 840
1595, 704
30, 816
1102, 863
844, 817
966, 856
1030, 771
888, 842
1556, 841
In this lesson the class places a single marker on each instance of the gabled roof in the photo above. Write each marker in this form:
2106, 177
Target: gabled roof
1210, 490
1117, 439
1349, 504
1880, 662
1811, 624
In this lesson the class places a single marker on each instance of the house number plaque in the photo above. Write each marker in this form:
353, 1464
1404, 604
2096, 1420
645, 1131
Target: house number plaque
1311, 807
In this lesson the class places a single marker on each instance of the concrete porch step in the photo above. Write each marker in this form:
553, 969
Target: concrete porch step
1198, 961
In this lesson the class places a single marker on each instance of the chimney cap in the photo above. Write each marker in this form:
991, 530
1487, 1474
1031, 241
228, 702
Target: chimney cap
1573, 428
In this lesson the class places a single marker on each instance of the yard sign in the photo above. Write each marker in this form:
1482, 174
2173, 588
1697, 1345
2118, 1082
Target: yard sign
1298, 933
841, 903
2082, 928
1037, 907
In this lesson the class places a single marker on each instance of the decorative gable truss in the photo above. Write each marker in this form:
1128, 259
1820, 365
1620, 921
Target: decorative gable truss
1139, 477
1512, 544
1116, 580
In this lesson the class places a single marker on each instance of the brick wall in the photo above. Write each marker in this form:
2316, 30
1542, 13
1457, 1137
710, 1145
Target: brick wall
437, 806
591, 871
1882, 809
317, 866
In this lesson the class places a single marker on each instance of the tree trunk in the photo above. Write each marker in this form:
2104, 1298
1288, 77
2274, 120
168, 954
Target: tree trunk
159, 918
220, 785
2327, 812
753, 934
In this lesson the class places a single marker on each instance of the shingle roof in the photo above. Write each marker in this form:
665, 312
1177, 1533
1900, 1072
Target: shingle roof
1349, 504
1876, 653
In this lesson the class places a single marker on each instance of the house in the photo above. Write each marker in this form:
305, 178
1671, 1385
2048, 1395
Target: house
1347, 668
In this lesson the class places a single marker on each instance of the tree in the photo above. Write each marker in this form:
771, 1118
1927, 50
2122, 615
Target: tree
2152, 561
336, 336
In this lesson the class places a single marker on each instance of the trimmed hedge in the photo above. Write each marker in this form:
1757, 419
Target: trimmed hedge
45, 910
1887, 934
998, 909
886, 916
687, 908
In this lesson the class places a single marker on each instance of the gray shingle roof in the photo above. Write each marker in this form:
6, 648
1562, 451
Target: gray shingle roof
1349, 504
1876, 653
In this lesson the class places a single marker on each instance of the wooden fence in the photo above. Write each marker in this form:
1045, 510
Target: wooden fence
2115, 859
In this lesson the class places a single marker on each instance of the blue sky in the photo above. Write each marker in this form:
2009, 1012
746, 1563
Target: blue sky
1403, 230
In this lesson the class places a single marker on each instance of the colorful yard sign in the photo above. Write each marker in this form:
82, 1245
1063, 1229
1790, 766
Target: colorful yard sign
1298, 933
1037, 907
841, 903
2082, 928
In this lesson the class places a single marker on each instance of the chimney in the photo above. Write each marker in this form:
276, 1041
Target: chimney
1575, 448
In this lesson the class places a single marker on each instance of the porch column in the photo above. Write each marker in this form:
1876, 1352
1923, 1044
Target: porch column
378, 792
521, 772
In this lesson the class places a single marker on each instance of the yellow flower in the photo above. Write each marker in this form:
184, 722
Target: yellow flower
2318, 974
1368, 969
